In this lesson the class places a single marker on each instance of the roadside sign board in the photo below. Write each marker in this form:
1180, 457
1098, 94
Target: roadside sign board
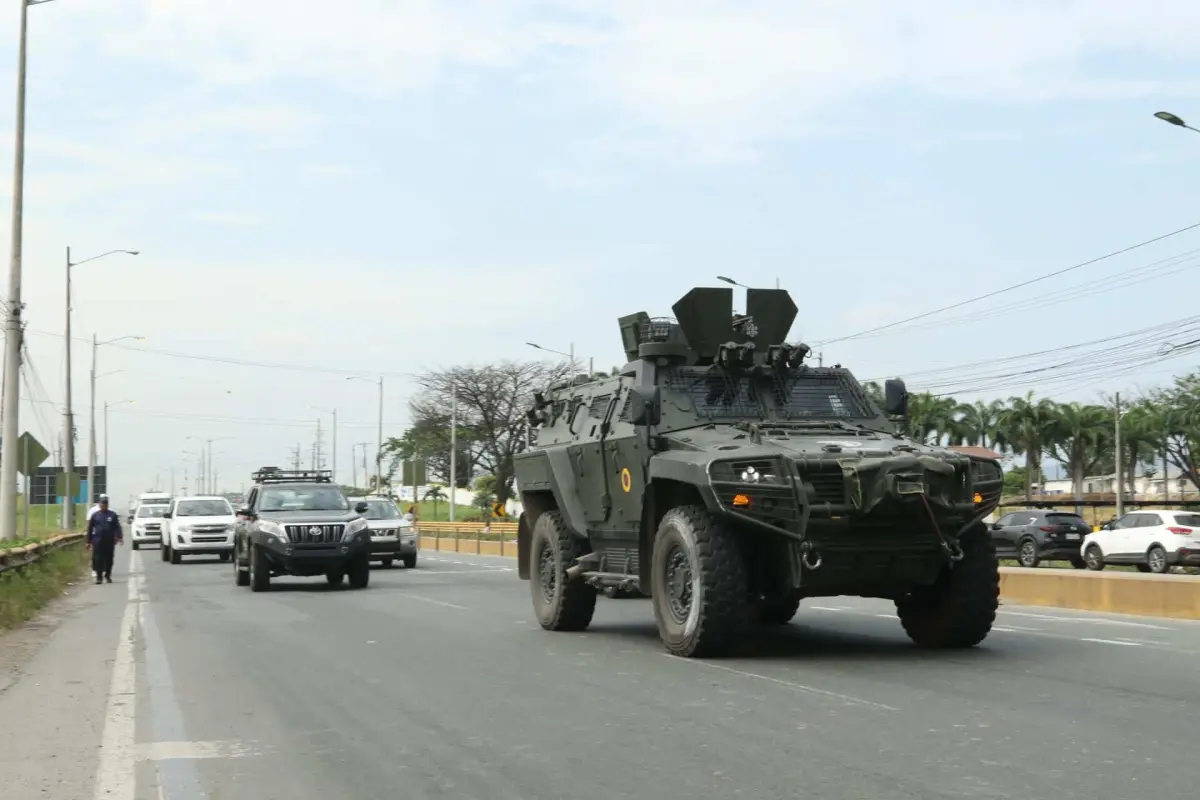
61, 487
407, 477
30, 454
499, 510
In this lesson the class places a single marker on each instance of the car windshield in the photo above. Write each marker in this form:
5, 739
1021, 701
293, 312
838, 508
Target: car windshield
381, 509
150, 511
204, 508
303, 498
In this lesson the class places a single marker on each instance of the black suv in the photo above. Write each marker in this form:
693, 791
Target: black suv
1039, 535
298, 522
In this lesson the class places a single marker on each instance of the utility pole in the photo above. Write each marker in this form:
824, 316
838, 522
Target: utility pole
353, 466
379, 446
820, 359
69, 419
12, 323
318, 456
1120, 483
366, 475
172, 481
453, 448
333, 466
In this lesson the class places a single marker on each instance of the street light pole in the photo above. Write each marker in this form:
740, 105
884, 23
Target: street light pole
453, 448
91, 473
12, 323
379, 444
68, 518
1167, 116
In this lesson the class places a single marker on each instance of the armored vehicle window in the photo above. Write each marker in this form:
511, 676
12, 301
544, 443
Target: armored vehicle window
715, 393
812, 394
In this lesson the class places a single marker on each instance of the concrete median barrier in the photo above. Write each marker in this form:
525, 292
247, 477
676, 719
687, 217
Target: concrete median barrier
1173, 596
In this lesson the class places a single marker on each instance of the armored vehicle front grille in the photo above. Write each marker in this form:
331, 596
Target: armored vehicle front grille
826, 485
314, 534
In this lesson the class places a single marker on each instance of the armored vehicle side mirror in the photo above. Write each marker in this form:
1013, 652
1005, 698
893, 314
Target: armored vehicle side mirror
646, 406
895, 398
360, 508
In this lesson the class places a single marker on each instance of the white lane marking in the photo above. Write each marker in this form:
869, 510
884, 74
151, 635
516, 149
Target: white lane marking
163, 751
826, 608
1094, 620
1112, 641
1015, 629
435, 602
492, 571
115, 774
797, 687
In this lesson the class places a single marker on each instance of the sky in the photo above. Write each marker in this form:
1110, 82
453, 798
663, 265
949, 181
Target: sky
388, 186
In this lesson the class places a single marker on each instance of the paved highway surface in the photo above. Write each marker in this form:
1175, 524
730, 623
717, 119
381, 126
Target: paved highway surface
437, 683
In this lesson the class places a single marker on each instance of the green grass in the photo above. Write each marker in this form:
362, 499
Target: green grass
23, 592
428, 511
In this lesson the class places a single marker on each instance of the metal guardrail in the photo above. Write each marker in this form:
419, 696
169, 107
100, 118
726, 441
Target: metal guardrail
17, 557
468, 528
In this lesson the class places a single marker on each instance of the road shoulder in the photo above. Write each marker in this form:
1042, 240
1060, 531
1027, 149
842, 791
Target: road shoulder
54, 683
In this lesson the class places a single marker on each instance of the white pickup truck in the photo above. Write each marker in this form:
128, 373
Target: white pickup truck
197, 526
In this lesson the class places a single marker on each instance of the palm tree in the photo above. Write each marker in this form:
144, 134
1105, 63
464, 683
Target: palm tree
1028, 426
931, 418
979, 424
1140, 437
1079, 436
435, 493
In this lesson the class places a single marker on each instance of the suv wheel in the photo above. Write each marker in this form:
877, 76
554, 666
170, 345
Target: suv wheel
559, 603
260, 572
165, 551
959, 608
698, 583
241, 575
410, 561
1093, 558
334, 578
359, 572
1028, 554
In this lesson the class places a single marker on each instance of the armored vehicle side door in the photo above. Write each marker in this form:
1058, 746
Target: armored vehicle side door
627, 485
587, 466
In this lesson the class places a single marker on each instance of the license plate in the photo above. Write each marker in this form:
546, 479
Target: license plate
1072, 535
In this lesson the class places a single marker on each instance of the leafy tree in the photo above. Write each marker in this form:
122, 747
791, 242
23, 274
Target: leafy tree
491, 402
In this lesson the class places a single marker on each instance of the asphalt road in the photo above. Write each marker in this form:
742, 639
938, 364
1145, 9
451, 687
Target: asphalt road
437, 683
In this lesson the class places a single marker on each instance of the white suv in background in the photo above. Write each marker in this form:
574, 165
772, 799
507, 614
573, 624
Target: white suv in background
146, 527
1151, 539
197, 526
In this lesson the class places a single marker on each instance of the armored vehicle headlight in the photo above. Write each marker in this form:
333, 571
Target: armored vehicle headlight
758, 471
354, 528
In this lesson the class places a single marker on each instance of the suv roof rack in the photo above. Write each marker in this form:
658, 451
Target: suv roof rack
277, 475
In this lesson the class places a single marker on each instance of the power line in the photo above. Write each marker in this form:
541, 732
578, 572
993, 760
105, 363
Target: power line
1013, 287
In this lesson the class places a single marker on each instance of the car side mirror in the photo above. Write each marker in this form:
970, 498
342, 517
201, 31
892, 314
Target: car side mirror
360, 508
996, 526
245, 512
646, 405
895, 398
166, 515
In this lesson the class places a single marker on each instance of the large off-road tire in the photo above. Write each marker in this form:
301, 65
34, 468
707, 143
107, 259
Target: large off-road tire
778, 610
560, 604
698, 584
959, 608
358, 572
260, 571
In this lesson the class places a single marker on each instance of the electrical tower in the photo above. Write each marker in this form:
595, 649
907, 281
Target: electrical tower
296, 457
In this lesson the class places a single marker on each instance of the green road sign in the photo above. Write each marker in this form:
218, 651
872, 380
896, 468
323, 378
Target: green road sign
30, 454
60, 484
406, 478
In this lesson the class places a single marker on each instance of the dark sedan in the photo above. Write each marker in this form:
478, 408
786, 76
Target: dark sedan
1039, 535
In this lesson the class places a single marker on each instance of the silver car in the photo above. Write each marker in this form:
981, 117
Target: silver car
393, 535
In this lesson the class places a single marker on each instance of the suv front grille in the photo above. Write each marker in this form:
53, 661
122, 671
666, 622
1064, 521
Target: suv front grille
314, 534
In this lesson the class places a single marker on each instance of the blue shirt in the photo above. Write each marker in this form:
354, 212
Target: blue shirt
104, 525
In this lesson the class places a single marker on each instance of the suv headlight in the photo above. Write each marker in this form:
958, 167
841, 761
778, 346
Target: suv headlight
273, 529
354, 529
182, 528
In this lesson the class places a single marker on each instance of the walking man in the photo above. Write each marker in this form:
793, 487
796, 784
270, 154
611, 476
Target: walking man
103, 535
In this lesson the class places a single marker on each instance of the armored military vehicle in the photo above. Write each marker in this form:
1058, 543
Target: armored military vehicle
728, 479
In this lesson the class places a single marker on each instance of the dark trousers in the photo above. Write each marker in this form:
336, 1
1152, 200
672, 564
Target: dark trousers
102, 557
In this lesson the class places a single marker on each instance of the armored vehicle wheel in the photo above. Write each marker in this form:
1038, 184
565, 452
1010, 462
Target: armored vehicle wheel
560, 604
778, 610
698, 583
959, 608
